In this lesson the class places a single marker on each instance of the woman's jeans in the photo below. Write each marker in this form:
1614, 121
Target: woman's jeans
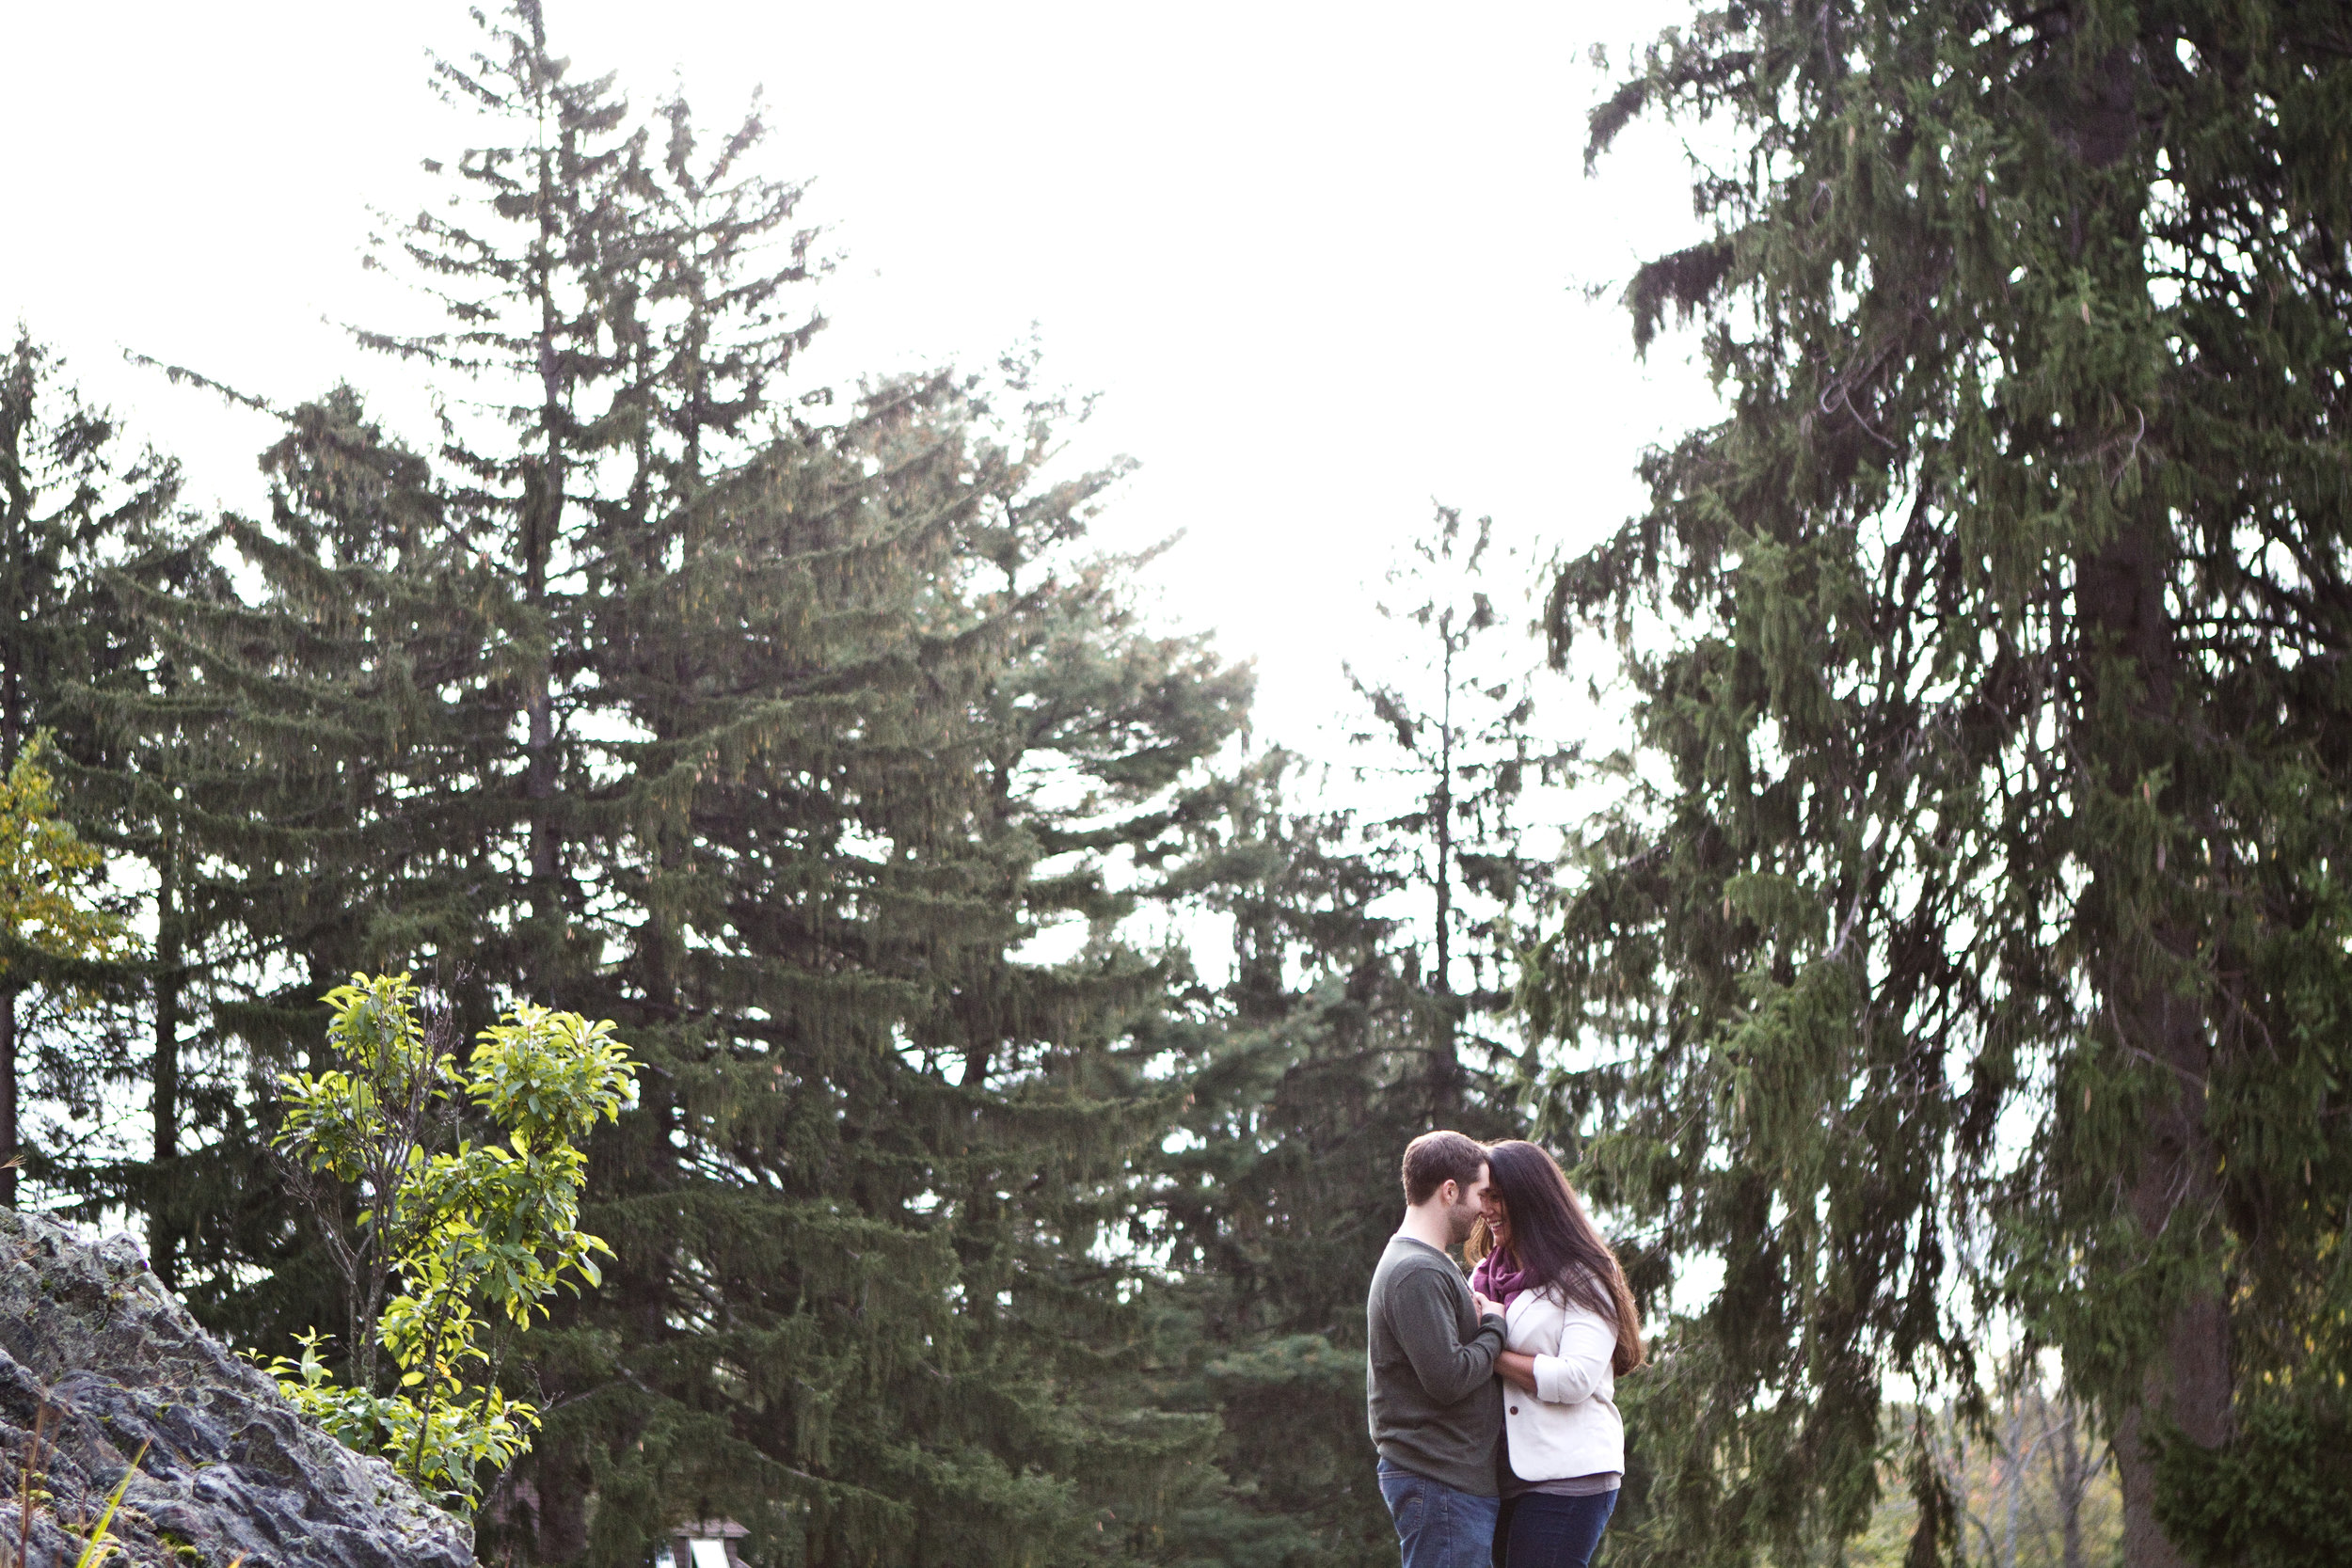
1540, 1530
1436, 1526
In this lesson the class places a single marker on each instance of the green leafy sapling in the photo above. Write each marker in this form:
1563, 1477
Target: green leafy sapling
444, 1243
49, 917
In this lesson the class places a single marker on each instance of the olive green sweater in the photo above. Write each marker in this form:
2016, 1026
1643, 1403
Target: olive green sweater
1430, 1390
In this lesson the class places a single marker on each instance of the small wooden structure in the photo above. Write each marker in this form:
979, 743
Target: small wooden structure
702, 1544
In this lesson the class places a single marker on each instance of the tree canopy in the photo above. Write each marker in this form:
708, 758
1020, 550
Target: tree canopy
1964, 969
1022, 1049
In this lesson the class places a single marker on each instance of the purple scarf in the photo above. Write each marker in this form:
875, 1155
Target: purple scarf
1499, 1276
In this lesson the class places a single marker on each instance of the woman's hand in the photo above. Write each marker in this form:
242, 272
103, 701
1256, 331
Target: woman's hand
1517, 1370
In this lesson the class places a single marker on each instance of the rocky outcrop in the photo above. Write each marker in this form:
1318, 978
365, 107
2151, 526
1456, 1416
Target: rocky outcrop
230, 1472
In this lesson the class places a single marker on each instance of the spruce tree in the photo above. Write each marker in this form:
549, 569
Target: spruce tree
74, 501
778, 743
534, 265
1969, 967
1373, 966
137, 780
1273, 1206
1453, 732
880, 1157
316, 759
404, 689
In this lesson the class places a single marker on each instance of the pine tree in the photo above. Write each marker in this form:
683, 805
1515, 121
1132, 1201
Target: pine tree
876, 1146
74, 502
1274, 1205
137, 780
779, 743
619, 305
1374, 958
318, 760
51, 923
536, 270
1969, 963
399, 690
1455, 732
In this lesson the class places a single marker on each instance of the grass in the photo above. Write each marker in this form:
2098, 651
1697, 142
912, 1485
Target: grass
95, 1548
100, 1541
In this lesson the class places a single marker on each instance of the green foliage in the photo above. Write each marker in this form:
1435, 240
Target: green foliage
809, 738
2272, 1499
1965, 947
484, 1227
1279, 1195
444, 1436
75, 502
1450, 719
56, 931
1341, 1035
786, 746
41, 858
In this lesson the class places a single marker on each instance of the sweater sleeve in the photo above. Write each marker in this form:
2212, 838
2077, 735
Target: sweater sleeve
1587, 1346
1425, 1315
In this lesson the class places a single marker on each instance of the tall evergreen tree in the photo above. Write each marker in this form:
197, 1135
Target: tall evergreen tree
1453, 732
536, 265
312, 757
863, 1293
74, 501
404, 688
780, 743
1374, 958
138, 780
1973, 962
1275, 1202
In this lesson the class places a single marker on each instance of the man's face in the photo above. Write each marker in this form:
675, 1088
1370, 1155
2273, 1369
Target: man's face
1462, 1214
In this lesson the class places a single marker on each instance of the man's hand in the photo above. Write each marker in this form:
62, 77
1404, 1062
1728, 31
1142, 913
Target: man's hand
1487, 1305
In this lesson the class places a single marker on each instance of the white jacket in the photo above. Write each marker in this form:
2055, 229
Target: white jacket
1569, 1426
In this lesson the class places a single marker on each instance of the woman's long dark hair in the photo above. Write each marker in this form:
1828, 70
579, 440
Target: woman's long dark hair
1554, 1242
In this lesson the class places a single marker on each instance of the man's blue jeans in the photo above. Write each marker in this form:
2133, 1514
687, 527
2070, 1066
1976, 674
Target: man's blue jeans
1438, 1526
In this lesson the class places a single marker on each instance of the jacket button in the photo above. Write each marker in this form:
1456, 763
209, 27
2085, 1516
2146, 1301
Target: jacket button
1514, 1410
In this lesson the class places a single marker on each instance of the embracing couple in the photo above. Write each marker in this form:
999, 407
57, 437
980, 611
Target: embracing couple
1492, 1401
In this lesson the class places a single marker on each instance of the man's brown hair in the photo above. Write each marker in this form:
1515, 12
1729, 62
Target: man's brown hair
1435, 1159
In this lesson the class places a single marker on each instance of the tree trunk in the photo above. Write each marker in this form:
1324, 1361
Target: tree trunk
2189, 1380
163, 1225
9, 1147
2073, 1481
2120, 597
1445, 1058
543, 526
543, 507
561, 1483
2013, 1460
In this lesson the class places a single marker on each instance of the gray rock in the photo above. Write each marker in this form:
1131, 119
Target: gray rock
230, 1471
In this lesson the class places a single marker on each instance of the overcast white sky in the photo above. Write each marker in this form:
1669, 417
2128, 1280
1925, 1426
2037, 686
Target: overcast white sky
1318, 259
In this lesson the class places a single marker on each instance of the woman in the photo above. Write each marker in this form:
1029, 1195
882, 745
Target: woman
1571, 1331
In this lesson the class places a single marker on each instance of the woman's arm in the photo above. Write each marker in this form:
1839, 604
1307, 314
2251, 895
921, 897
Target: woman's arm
1586, 1347
1517, 1370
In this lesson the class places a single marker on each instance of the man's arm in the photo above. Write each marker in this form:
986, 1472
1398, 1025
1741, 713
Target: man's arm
1424, 1314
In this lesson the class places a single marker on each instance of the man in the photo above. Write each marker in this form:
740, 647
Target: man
1434, 1406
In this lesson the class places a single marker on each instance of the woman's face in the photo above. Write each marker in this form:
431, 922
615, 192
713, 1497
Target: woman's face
1498, 1218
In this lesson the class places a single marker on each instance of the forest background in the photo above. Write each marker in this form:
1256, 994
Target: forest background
1026, 1037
